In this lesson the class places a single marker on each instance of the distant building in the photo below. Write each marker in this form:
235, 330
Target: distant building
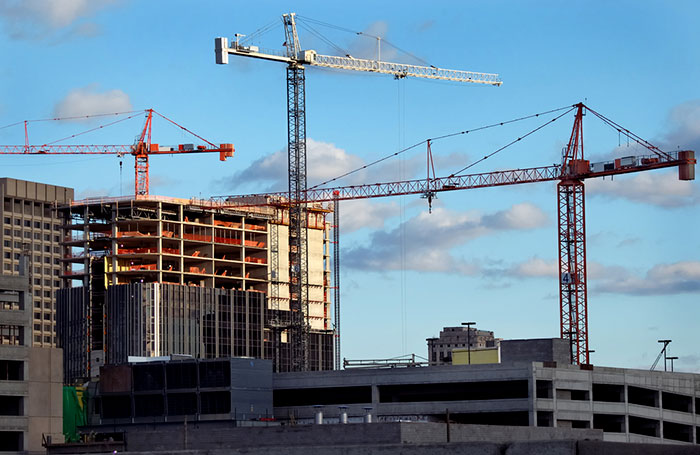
30, 377
31, 224
440, 349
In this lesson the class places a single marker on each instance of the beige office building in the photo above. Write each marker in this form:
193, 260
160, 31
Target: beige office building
30, 223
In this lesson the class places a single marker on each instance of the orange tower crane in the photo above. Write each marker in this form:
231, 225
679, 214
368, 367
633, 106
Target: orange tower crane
570, 175
141, 150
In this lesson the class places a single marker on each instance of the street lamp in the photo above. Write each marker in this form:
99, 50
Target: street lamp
469, 340
672, 359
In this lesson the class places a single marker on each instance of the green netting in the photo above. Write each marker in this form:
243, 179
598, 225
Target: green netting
73, 412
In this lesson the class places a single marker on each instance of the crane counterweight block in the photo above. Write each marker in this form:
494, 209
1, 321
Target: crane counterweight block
687, 171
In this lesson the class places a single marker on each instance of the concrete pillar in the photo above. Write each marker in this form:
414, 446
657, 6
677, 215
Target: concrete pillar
319, 414
343, 414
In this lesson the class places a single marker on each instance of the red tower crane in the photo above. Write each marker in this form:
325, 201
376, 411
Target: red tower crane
141, 150
570, 175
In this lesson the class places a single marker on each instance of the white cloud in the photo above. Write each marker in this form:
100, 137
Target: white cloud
533, 268
684, 127
88, 101
365, 45
658, 188
423, 242
35, 19
662, 279
324, 161
363, 213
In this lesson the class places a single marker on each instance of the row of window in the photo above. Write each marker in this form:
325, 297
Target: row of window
37, 260
18, 256
28, 234
28, 223
47, 339
29, 207
46, 317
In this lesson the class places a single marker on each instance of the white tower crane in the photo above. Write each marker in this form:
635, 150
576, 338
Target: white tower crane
296, 58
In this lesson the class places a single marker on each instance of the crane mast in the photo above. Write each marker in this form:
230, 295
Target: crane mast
296, 58
298, 245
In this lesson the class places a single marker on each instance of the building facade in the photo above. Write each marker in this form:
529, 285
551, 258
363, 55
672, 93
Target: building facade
31, 225
186, 263
440, 348
31, 378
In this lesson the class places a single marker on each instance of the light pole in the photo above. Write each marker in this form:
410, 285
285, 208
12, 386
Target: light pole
469, 340
672, 359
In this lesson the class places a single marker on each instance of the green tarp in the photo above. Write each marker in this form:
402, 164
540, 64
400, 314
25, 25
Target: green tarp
73, 412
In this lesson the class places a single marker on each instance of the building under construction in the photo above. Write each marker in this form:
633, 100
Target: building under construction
154, 276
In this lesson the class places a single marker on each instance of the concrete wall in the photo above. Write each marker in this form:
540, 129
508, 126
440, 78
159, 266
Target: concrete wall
536, 350
201, 436
45, 401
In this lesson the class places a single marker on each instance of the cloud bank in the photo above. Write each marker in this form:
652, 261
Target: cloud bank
89, 101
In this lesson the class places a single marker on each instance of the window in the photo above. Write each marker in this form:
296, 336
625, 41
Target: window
47, 260
55, 272
47, 226
56, 238
37, 304
37, 236
6, 243
37, 326
47, 293
56, 227
16, 267
27, 223
47, 282
11, 334
18, 222
17, 255
37, 339
37, 247
7, 220
47, 305
7, 231
56, 283
47, 237
37, 225
47, 249
56, 261
27, 235
37, 315
47, 316
8, 267
56, 250
7, 255
37, 281
18, 233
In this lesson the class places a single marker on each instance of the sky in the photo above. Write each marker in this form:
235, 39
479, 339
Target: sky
486, 255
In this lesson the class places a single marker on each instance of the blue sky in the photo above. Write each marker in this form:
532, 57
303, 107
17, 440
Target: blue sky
482, 255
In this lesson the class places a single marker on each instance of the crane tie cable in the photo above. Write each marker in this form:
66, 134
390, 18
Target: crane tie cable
511, 143
570, 108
